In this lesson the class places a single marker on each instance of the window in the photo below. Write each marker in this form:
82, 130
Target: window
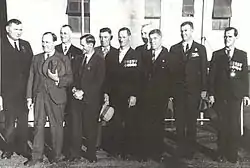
153, 12
74, 11
222, 14
188, 8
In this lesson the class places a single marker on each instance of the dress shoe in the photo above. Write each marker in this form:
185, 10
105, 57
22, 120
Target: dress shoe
90, 158
72, 159
6, 155
57, 159
221, 159
33, 162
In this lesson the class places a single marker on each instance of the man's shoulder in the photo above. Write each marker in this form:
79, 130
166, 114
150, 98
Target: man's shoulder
240, 52
140, 47
175, 46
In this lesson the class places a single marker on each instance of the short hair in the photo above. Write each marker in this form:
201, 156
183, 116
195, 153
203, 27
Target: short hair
89, 38
67, 26
188, 23
125, 29
144, 25
54, 38
106, 29
16, 21
231, 28
155, 31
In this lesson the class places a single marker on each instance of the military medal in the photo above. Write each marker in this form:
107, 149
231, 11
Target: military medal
232, 73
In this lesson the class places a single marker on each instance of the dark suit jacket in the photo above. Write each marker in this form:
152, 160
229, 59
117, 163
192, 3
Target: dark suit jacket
125, 77
39, 82
72, 52
221, 84
158, 78
91, 79
109, 61
15, 71
189, 70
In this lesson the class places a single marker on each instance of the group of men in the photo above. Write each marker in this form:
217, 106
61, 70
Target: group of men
69, 85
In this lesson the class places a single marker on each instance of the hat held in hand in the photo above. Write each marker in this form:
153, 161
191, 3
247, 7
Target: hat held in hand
106, 113
54, 63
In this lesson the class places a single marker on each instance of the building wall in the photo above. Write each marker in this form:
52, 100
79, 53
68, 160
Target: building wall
49, 15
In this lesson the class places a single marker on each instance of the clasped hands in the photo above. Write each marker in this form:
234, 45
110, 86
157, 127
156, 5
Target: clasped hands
78, 94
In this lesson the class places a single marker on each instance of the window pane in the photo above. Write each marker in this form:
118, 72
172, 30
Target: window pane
152, 8
188, 8
75, 23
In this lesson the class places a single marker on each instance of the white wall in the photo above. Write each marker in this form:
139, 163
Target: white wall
38, 16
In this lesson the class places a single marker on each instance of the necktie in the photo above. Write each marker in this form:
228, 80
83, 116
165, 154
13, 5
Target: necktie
16, 46
105, 51
153, 56
46, 56
83, 64
65, 50
187, 48
228, 54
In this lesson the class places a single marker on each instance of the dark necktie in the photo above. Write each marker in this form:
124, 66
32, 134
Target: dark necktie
105, 51
228, 54
16, 46
187, 48
153, 56
65, 50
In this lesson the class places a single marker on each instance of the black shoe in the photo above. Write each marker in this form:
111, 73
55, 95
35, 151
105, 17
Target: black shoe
221, 159
90, 158
72, 159
32, 162
58, 159
6, 155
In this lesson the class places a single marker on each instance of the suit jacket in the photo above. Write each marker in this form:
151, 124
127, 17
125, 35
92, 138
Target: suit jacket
125, 77
158, 78
72, 52
190, 69
109, 61
224, 85
90, 77
39, 82
15, 70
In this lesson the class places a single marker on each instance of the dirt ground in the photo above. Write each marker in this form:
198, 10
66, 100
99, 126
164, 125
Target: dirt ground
206, 146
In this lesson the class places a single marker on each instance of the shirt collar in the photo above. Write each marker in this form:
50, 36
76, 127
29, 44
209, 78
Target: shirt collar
157, 52
89, 56
12, 42
190, 43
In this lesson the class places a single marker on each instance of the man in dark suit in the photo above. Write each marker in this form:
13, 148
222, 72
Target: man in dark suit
228, 86
124, 87
155, 97
190, 78
47, 90
89, 74
145, 29
71, 51
104, 139
16, 59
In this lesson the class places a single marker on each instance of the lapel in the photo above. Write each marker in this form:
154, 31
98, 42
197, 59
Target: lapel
126, 56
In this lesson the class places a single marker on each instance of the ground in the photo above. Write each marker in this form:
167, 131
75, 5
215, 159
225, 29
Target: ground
206, 146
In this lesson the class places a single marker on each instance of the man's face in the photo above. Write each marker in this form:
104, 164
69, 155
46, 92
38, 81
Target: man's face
86, 47
155, 41
14, 31
65, 34
144, 34
123, 38
105, 39
229, 38
186, 32
48, 44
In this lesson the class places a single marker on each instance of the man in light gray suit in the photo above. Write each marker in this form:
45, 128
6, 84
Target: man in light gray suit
50, 74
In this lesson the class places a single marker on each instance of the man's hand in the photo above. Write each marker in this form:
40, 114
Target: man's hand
1, 103
246, 101
78, 94
211, 99
54, 76
203, 94
131, 101
106, 98
29, 103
